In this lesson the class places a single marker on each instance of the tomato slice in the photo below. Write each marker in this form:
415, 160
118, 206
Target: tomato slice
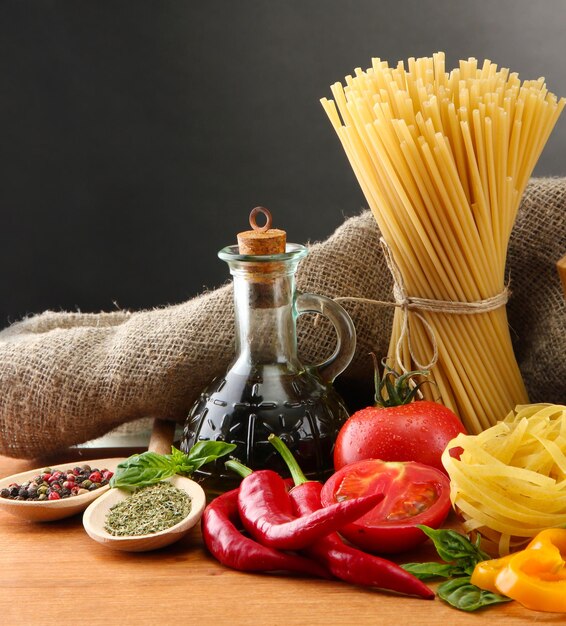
414, 494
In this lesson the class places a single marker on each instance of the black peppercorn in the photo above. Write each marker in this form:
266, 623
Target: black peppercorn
54, 484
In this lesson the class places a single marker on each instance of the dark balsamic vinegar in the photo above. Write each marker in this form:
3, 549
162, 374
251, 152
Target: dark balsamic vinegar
245, 409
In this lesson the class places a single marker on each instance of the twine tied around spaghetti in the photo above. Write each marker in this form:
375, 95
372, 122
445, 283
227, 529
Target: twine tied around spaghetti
411, 304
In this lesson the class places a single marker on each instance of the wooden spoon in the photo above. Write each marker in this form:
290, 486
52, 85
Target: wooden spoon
94, 518
561, 267
51, 510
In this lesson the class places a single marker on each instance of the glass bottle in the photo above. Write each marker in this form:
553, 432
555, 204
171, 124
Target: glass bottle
267, 389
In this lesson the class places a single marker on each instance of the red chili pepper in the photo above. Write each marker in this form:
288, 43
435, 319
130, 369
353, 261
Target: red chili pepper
267, 513
348, 563
342, 560
229, 546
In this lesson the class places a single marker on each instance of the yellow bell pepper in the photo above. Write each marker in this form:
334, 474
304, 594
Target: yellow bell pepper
486, 572
535, 576
549, 538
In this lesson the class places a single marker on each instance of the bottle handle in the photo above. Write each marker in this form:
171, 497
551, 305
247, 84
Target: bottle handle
339, 360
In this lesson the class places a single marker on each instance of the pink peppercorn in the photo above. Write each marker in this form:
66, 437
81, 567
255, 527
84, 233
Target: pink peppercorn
55, 484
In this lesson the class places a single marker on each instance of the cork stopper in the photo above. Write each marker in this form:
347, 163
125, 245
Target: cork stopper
261, 240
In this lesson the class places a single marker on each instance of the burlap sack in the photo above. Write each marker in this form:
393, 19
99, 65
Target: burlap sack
537, 308
66, 378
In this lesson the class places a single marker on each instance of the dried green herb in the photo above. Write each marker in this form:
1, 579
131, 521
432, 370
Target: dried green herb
148, 510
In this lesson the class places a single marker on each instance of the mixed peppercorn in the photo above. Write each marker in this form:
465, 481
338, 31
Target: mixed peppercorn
54, 484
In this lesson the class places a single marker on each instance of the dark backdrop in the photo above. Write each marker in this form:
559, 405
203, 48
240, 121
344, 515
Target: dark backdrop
136, 135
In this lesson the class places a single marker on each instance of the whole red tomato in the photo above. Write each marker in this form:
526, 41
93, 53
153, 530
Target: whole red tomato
398, 428
418, 431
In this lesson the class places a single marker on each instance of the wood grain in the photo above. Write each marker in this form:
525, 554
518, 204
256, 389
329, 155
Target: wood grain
53, 574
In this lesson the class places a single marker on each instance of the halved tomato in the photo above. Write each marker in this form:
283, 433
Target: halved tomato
414, 494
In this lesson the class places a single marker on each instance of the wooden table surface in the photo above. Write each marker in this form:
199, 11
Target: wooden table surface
53, 574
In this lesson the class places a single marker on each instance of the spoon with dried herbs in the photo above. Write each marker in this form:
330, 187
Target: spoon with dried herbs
152, 502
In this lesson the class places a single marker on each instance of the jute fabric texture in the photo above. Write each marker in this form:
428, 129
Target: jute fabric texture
66, 378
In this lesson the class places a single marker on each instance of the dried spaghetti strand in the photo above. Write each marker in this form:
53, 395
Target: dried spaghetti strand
443, 159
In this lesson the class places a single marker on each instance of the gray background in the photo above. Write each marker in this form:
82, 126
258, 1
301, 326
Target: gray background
136, 135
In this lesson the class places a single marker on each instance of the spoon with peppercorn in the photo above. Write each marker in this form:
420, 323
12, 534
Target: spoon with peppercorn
49, 493
53, 493
150, 504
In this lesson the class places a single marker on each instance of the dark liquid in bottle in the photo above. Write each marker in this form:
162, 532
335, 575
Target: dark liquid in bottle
246, 409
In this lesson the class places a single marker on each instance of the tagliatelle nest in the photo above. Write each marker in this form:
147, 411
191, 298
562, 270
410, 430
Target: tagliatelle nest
510, 480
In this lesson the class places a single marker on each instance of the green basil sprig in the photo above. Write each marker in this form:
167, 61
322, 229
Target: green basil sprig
148, 468
459, 554
460, 593
460, 557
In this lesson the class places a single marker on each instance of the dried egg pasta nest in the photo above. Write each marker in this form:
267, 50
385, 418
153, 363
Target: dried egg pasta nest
510, 480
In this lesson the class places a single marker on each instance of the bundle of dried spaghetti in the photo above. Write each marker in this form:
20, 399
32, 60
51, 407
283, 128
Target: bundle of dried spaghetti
443, 160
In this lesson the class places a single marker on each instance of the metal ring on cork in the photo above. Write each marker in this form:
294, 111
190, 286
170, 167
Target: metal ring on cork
261, 240
253, 215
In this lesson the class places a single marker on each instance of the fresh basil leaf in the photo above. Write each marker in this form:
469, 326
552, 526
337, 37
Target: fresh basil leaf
204, 452
461, 594
454, 547
141, 470
181, 462
461, 556
149, 468
425, 571
178, 456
